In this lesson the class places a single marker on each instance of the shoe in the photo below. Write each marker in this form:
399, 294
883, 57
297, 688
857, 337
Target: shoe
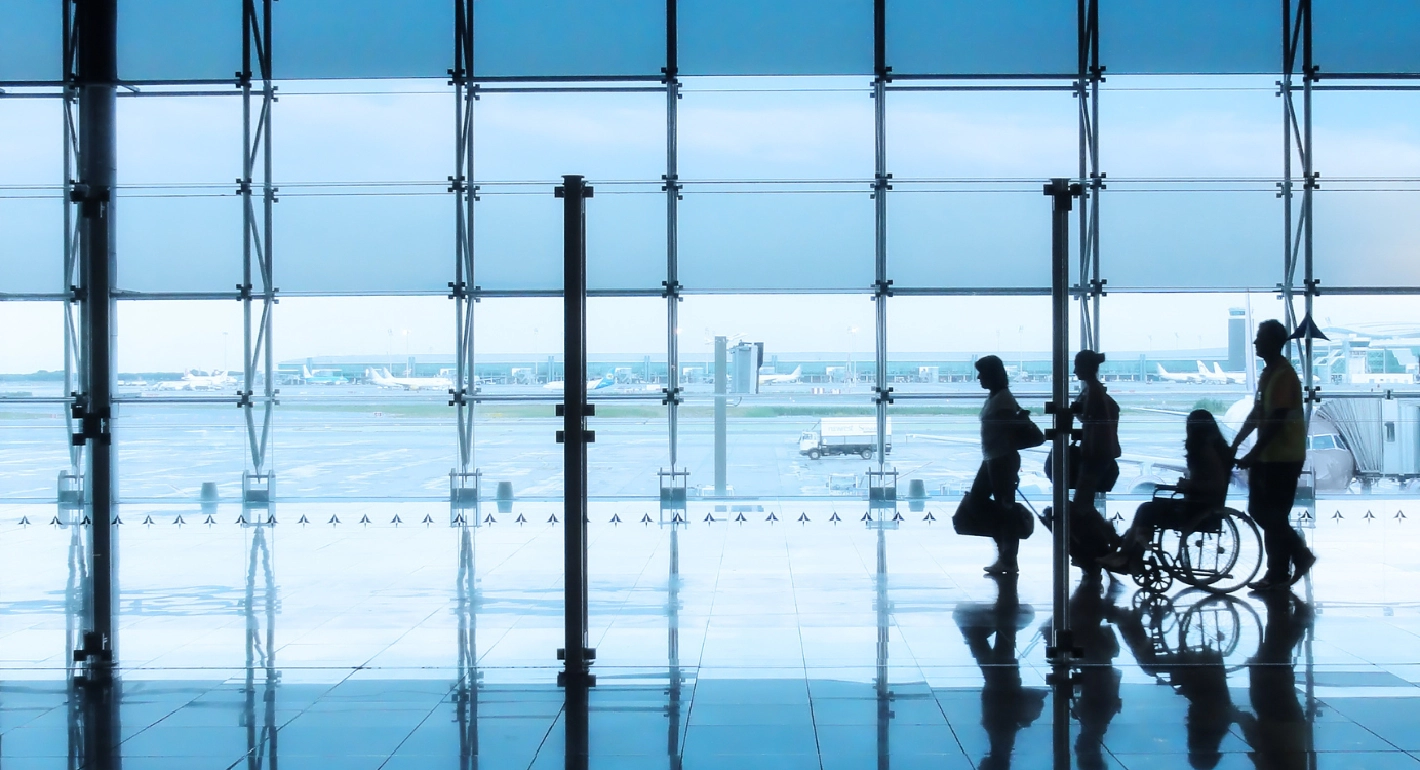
997, 568
1301, 566
1270, 583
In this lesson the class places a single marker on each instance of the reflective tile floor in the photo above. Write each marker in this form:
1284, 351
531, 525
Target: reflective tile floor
353, 641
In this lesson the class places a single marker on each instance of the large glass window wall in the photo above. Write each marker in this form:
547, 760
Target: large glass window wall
872, 231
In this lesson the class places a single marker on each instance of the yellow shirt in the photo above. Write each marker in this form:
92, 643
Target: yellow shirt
1280, 389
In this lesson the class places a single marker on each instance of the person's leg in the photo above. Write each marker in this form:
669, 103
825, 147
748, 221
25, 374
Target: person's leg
1270, 496
1003, 474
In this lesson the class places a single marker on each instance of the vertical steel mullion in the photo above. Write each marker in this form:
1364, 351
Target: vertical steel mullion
1096, 175
1289, 60
1308, 199
882, 285
248, 363
576, 655
672, 240
465, 290
97, 70
268, 251
73, 360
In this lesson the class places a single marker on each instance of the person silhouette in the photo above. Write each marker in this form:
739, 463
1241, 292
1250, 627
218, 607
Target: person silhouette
1280, 733
1006, 705
1000, 469
1099, 431
1275, 462
1208, 464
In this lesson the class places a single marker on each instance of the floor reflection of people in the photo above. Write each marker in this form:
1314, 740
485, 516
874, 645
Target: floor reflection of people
1198, 674
1099, 680
1280, 733
990, 633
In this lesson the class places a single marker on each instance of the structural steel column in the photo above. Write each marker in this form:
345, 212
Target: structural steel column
258, 358
882, 286
574, 434
97, 74
1087, 91
672, 283
1297, 220
1061, 193
463, 290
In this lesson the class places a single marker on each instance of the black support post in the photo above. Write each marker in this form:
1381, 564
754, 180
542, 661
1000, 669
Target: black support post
1062, 193
96, 76
576, 655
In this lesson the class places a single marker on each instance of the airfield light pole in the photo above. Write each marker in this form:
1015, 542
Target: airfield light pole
575, 410
96, 76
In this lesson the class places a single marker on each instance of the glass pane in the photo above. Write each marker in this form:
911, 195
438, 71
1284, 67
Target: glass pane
987, 235
1161, 340
180, 140
32, 364
177, 240
384, 133
180, 40
1150, 236
1203, 36
372, 442
161, 341
32, 251
776, 238
518, 239
1367, 237
539, 137
934, 341
341, 341
792, 37
808, 372
563, 38
1200, 128
374, 242
363, 39
518, 343
33, 150
990, 135
1366, 36
168, 451
782, 129
960, 37
31, 40
1373, 134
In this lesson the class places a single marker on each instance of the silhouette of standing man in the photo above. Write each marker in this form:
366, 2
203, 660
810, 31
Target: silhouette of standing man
1000, 460
1275, 461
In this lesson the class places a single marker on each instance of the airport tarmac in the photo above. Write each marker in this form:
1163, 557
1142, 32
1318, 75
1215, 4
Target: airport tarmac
362, 442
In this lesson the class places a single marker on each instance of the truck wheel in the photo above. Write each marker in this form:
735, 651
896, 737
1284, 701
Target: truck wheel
866, 454
814, 454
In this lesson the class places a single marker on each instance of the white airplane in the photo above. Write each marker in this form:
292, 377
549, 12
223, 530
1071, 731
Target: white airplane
606, 381
1165, 374
1229, 378
384, 379
322, 376
191, 380
781, 379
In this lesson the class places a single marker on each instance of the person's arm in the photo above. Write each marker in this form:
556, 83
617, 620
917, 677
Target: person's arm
1248, 426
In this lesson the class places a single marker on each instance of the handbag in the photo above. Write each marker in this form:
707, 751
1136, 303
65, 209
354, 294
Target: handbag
976, 517
1025, 434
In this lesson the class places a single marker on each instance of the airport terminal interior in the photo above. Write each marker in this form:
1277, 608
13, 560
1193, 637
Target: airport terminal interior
558, 383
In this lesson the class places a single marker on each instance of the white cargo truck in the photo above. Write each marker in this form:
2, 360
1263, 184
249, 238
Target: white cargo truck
844, 436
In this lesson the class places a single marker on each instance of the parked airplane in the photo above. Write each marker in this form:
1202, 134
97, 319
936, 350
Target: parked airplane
322, 376
384, 379
781, 379
191, 380
1229, 378
607, 380
1165, 374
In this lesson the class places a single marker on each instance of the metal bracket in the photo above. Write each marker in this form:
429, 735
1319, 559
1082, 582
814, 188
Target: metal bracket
460, 290
882, 395
589, 436
90, 199
882, 288
670, 396
672, 183
672, 289
1097, 287
561, 410
1313, 286
1312, 182
880, 184
561, 192
92, 425
244, 398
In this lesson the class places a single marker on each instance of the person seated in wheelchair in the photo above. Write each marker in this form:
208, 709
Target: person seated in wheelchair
1201, 493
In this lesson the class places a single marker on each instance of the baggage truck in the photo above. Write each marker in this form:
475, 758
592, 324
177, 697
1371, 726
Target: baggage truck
844, 436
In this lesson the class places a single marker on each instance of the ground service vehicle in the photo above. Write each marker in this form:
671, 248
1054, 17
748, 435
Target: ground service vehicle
844, 436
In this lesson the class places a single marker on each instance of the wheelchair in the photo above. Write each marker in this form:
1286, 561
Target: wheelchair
1218, 550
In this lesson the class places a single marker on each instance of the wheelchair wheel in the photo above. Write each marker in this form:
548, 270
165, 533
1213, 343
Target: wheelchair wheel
1221, 558
1157, 575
